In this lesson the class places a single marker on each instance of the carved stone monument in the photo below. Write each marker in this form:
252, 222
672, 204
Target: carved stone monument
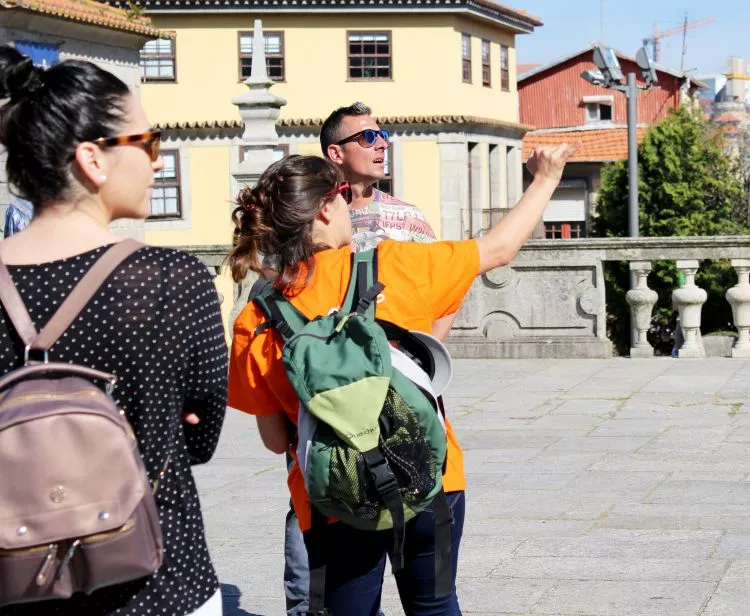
259, 110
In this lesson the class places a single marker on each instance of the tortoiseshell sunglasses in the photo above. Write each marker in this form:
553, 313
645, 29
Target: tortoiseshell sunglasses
149, 141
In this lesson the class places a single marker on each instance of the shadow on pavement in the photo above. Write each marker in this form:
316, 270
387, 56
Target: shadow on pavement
230, 595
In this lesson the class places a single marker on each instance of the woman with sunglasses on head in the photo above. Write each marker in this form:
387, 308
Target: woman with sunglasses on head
81, 150
298, 212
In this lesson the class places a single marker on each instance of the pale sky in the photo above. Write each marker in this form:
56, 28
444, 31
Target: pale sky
570, 25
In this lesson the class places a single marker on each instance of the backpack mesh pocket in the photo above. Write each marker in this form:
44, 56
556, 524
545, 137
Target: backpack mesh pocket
404, 444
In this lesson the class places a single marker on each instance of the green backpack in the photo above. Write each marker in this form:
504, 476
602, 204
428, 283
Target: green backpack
371, 435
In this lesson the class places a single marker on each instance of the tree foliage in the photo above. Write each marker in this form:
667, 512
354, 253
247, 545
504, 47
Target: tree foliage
687, 186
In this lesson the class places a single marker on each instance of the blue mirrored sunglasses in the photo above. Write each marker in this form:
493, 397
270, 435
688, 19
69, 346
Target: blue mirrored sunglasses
367, 138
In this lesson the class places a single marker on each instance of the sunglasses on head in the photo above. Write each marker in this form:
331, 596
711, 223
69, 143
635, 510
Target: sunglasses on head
344, 189
367, 138
150, 141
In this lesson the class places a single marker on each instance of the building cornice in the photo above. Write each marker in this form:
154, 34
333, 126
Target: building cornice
438, 123
517, 20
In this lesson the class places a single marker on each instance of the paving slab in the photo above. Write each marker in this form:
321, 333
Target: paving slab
595, 488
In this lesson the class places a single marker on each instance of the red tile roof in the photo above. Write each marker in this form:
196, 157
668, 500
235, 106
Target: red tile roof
89, 12
728, 117
521, 16
597, 145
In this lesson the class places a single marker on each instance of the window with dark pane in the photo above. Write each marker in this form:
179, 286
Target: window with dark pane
466, 57
166, 198
486, 65
274, 55
157, 60
504, 68
369, 55
564, 230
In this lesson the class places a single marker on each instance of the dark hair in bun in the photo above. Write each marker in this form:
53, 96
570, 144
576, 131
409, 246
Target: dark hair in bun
19, 77
275, 218
50, 112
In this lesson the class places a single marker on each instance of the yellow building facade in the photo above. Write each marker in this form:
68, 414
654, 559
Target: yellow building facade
441, 78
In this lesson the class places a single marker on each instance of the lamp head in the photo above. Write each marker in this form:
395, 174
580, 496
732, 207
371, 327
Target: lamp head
594, 77
607, 62
648, 72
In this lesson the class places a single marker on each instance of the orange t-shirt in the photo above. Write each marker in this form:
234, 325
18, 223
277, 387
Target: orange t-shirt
423, 282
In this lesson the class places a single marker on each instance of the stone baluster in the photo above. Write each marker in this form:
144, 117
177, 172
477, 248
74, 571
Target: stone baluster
641, 300
739, 297
688, 300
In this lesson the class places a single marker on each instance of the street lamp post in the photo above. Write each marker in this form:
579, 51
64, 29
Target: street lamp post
632, 94
610, 76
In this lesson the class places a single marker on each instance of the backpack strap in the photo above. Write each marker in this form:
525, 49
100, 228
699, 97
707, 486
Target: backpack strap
281, 314
364, 286
443, 563
14, 306
387, 488
319, 539
73, 304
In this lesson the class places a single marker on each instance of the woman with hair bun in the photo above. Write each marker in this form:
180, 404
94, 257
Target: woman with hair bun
81, 149
298, 212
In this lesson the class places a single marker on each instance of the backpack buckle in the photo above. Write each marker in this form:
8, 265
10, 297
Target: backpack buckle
383, 478
27, 352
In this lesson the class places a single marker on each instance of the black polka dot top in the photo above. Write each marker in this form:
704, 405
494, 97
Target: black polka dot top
156, 324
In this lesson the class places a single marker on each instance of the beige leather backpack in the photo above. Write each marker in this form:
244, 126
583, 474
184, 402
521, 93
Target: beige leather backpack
77, 510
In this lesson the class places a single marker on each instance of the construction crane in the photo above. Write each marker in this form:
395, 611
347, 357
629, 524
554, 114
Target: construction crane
655, 39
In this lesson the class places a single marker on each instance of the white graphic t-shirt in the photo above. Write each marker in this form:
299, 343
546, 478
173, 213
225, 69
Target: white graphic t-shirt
386, 217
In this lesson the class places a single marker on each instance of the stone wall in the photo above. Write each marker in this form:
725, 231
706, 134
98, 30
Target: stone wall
550, 302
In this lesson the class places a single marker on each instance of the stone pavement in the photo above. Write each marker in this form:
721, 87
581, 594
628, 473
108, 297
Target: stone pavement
595, 488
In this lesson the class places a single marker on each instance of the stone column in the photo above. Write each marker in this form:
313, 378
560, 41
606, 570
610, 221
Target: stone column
688, 300
454, 183
641, 300
259, 110
473, 219
739, 297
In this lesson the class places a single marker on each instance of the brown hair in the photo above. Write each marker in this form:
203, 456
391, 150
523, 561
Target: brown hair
275, 218
329, 132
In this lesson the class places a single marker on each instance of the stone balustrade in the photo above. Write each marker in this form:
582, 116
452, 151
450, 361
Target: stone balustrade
550, 302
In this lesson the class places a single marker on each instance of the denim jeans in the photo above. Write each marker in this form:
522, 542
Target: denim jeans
355, 565
296, 569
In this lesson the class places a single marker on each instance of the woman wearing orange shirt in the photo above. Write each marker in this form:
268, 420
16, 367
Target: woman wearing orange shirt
298, 212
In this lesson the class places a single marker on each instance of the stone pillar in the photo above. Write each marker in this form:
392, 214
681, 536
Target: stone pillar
454, 183
473, 218
688, 300
514, 162
496, 199
739, 297
259, 110
641, 300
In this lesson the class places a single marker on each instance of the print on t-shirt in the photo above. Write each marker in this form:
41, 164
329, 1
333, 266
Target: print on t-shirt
388, 218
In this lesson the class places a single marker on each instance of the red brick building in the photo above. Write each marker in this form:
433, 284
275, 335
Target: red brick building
563, 107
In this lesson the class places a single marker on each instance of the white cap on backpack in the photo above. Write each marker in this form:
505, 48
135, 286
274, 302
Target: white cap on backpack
443, 367
424, 360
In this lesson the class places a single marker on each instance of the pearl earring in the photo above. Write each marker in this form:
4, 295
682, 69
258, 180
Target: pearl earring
103, 179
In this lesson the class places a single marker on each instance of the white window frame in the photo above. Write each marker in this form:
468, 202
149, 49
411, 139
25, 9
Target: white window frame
274, 42
164, 53
184, 221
